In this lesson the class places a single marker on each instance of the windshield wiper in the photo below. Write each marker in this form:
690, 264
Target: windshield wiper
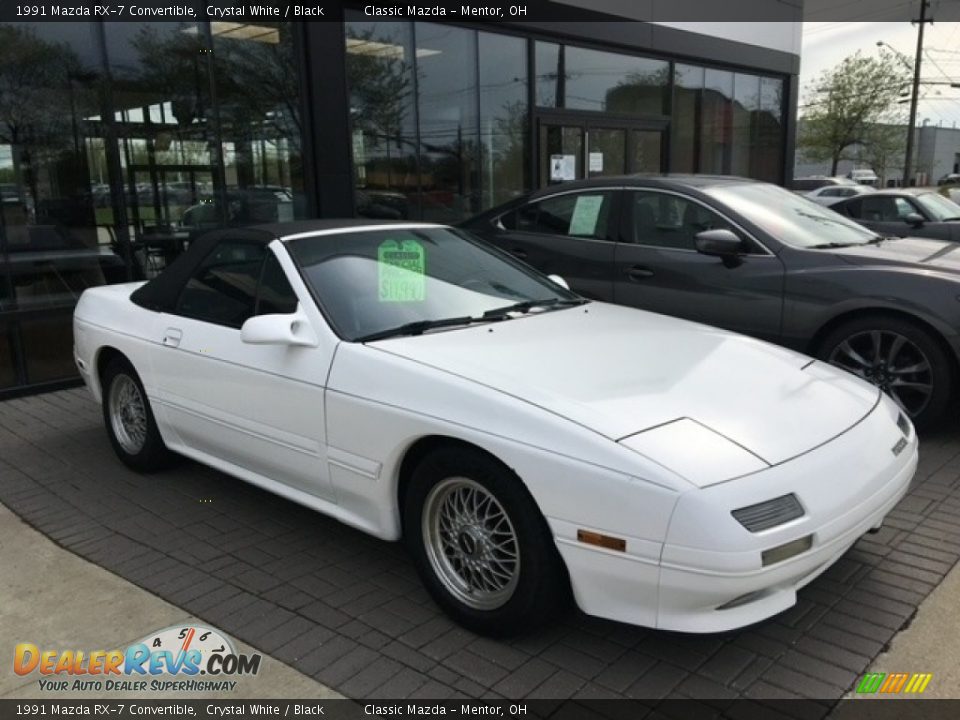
528, 305
418, 327
823, 246
881, 238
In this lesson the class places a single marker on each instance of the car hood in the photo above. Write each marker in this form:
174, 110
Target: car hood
916, 252
623, 373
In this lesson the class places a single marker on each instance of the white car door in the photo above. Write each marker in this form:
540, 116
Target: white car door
257, 407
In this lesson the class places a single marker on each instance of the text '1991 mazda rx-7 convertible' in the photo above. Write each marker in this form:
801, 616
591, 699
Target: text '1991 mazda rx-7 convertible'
414, 382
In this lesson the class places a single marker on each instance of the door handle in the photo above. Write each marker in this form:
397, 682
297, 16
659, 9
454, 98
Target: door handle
519, 253
638, 272
171, 337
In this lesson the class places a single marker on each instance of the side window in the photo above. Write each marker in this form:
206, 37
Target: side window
223, 288
523, 218
575, 214
669, 221
904, 208
854, 208
886, 209
275, 294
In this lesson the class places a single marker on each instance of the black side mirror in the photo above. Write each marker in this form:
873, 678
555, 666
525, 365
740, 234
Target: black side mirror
720, 243
914, 220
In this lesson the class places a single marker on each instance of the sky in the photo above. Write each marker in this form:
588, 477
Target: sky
826, 44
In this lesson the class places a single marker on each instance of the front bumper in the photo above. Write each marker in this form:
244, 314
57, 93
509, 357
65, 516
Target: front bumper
710, 576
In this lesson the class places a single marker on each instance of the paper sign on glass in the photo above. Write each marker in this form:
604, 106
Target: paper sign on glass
401, 264
596, 162
563, 167
585, 215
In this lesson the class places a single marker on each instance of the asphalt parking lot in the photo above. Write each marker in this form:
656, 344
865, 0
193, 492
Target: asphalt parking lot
349, 610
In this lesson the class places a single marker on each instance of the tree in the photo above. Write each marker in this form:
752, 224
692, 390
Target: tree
883, 148
843, 103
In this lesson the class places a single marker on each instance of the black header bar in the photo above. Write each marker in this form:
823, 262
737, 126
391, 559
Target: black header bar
491, 11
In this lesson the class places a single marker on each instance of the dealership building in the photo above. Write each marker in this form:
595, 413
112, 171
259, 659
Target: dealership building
120, 142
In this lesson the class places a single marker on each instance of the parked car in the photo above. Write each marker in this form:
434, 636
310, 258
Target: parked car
832, 194
412, 381
757, 259
949, 179
806, 184
951, 192
863, 176
917, 212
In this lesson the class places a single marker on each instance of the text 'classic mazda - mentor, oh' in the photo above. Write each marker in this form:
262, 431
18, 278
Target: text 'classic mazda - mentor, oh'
416, 383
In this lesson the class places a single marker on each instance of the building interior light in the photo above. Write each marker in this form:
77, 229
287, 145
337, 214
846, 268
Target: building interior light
240, 31
359, 46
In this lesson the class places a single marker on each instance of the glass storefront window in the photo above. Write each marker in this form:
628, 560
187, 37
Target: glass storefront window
769, 148
746, 105
716, 122
258, 103
439, 132
582, 79
688, 86
447, 111
503, 118
119, 143
383, 118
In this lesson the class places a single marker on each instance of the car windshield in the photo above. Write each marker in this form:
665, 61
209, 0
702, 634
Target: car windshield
406, 280
938, 207
790, 218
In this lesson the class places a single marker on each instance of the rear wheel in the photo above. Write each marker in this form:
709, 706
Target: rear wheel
480, 543
130, 424
901, 358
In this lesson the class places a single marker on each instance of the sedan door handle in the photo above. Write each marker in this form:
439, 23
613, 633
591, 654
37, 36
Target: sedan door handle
519, 253
638, 272
171, 337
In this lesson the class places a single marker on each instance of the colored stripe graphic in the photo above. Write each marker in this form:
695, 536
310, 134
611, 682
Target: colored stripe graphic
893, 683
918, 683
871, 682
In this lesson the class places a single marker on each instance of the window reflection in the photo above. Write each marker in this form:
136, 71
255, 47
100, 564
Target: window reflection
384, 133
439, 132
716, 124
582, 79
119, 143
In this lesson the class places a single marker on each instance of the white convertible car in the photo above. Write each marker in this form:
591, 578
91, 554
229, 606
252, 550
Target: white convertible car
415, 383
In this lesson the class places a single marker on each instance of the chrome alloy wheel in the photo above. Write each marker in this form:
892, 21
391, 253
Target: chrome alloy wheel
128, 414
471, 543
891, 362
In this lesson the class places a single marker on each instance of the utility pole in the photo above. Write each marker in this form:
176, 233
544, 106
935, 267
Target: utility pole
908, 157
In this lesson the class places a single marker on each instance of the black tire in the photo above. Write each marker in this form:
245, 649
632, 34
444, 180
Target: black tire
149, 455
918, 350
541, 587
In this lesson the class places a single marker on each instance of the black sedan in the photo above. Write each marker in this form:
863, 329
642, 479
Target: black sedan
757, 259
913, 211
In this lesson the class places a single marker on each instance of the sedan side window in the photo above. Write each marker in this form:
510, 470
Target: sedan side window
670, 221
223, 289
884, 209
584, 214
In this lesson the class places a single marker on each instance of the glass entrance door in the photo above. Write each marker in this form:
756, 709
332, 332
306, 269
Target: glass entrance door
577, 149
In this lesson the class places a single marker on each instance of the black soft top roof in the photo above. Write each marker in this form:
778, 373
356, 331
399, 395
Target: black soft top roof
161, 293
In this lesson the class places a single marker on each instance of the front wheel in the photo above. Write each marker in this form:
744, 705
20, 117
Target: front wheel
480, 543
901, 358
129, 420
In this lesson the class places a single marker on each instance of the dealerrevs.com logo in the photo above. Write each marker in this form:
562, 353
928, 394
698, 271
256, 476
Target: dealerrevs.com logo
169, 660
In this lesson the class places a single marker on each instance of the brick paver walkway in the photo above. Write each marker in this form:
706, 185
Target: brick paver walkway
349, 610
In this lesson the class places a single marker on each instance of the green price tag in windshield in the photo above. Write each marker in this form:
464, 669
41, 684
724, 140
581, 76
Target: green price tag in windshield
402, 264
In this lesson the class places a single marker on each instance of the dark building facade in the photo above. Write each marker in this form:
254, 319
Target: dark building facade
121, 142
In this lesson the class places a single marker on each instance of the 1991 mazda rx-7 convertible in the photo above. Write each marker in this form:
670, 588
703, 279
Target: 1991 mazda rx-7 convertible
415, 383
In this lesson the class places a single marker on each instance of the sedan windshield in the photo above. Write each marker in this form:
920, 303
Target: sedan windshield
789, 218
938, 207
374, 284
